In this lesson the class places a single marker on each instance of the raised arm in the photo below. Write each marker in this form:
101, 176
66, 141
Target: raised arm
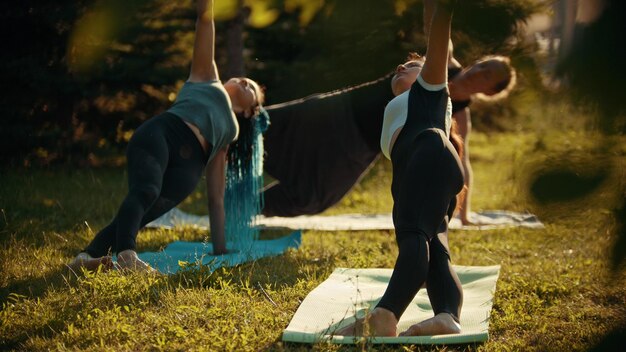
435, 68
429, 8
203, 66
215, 189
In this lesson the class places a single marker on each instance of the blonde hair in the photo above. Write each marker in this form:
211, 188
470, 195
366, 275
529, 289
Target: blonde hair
503, 88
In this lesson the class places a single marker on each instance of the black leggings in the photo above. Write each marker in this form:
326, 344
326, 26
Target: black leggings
165, 163
427, 175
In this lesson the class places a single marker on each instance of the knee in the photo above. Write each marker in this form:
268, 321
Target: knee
413, 235
146, 194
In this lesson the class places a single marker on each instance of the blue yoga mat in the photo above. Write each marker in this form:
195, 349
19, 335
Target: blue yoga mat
179, 254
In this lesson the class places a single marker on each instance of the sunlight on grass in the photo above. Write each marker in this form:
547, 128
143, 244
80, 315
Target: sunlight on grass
555, 291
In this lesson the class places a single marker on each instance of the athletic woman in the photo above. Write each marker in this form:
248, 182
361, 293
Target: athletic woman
427, 175
167, 154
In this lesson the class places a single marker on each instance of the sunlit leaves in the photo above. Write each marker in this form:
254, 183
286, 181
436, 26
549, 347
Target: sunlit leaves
262, 13
225, 10
308, 9
96, 30
403, 5
88, 42
265, 12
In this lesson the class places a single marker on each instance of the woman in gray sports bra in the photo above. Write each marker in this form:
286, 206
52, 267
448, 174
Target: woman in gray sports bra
168, 154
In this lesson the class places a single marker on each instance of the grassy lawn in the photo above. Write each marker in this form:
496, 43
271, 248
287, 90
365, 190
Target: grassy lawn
555, 291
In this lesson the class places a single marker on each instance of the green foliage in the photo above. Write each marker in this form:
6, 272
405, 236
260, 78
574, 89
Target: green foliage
351, 42
84, 74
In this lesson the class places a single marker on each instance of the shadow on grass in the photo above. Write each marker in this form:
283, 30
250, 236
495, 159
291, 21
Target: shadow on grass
277, 271
35, 287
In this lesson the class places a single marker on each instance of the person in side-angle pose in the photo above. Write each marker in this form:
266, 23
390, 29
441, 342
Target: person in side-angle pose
168, 154
427, 176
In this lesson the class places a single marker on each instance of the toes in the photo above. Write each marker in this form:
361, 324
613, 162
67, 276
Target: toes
349, 330
412, 331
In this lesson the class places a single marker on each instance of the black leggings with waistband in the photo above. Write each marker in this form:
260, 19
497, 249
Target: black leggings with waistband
427, 176
165, 163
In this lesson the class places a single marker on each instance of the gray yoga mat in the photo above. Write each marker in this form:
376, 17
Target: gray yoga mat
492, 219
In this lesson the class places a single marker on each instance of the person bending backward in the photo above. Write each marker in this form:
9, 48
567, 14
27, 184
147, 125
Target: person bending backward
427, 175
168, 153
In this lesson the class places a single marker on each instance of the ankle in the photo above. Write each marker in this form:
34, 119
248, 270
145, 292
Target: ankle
127, 254
447, 317
384, 314
383, 322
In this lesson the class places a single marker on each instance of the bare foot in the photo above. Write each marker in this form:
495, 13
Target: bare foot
440, 324
468, 222
128, 260
84, 260
380, 322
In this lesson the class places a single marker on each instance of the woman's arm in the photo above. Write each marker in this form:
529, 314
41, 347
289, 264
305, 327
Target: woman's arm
429, 9
203, 66
435, 68
215, 189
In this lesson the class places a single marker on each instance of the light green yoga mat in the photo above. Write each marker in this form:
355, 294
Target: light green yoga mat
333, 304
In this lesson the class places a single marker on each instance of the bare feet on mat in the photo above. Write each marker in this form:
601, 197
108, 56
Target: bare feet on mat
440, 324
84, 260
128, 260
380, 322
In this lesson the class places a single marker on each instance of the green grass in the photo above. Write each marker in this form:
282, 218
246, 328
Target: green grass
555, 291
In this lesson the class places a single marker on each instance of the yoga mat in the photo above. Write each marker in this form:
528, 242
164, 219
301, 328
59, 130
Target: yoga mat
334, 303
492, 219
176, 253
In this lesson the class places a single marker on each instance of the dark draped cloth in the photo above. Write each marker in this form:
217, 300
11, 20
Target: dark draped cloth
318, 147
